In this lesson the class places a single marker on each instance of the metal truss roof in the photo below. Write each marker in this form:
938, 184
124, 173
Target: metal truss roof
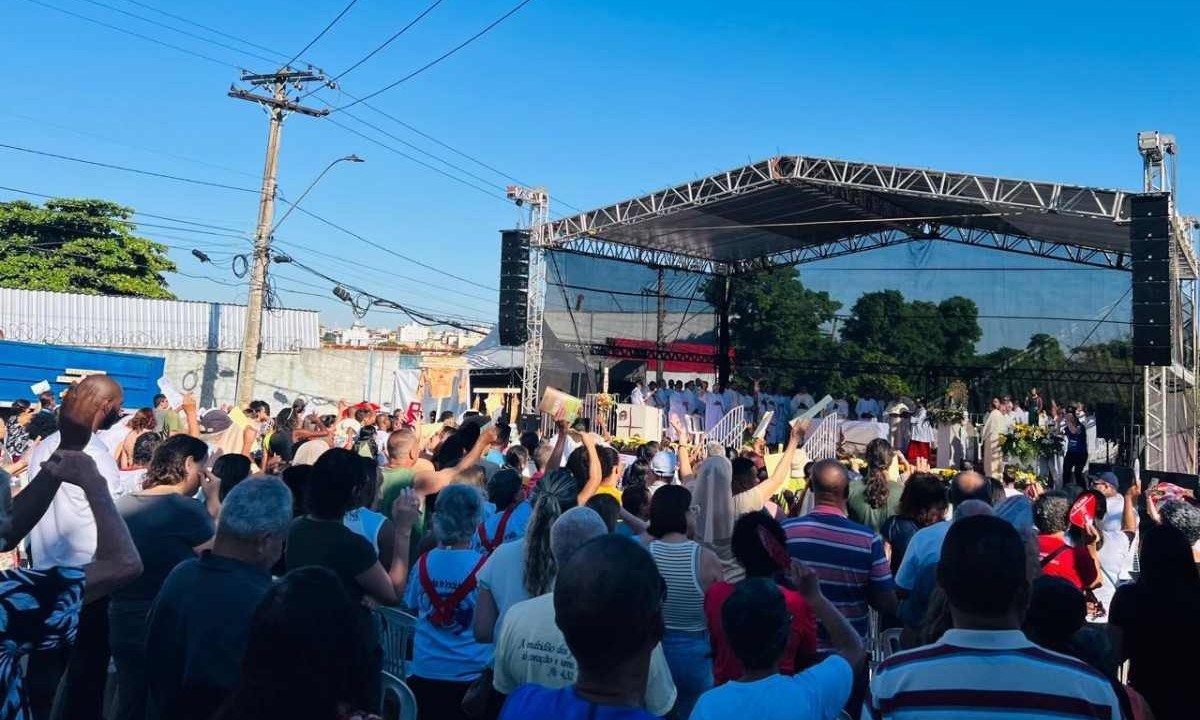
793, 209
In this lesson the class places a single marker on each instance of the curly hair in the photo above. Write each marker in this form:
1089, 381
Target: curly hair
168, 465
143, 419
554, 494
924, 499
879, 456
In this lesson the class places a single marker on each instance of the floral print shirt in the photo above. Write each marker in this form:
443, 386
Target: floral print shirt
39, 610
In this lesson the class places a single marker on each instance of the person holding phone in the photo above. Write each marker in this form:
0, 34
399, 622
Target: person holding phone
16, 440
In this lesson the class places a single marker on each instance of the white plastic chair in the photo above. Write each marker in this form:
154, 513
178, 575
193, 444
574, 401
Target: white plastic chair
695, 430
406, 702
889, 643
396, 631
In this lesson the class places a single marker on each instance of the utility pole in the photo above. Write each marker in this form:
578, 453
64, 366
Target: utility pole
659, 337
277, 105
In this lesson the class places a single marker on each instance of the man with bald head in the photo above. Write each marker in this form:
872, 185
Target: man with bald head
848, 557
917, 575
66, 536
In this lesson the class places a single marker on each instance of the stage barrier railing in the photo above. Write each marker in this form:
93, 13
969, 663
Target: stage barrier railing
730, 429
822, 440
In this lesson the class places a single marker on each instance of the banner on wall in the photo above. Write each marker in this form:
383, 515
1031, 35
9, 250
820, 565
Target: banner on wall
437, 389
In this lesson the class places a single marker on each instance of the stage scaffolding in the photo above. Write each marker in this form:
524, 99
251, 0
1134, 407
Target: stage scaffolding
793, 210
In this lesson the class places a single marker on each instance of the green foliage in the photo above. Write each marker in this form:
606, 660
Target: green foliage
774, 322
79, 246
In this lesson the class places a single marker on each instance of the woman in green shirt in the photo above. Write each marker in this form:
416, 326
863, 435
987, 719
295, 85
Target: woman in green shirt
876, 497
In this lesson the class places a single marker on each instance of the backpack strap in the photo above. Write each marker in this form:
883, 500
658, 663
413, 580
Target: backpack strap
444, 607
1053, 554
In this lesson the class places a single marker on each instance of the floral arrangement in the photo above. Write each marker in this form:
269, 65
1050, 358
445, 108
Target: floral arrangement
627, 445
947, 416
946, 474
1024, 480
605, 402
1027, 443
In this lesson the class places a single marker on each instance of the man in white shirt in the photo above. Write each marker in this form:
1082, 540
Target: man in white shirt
66, 536
637, 396
531, 648
714, 409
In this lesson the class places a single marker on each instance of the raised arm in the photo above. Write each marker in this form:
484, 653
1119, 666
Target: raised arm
784, 469
595, 472
560, 445
388, 586
29, 505
428, 482
191, 415
686, 472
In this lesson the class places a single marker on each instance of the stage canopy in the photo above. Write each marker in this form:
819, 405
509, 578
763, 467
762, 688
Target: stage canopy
793, 209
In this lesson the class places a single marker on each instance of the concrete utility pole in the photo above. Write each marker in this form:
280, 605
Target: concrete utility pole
660, 343
277, 105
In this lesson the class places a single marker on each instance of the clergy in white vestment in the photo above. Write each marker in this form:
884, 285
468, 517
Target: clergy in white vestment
714, 409
994, 425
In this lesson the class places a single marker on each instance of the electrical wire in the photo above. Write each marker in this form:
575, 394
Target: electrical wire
138, 35
422, 163
381, 46
178, 220
390, 251
175, 29
442, 57
214, 31
111, 166
321, 34
391, 276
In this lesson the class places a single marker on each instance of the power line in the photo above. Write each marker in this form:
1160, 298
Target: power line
390, 251
175, 29
385, 43
442, 57
321, 34
147, 38
422, 163
214, 31
360, 267
240, 234
124, 168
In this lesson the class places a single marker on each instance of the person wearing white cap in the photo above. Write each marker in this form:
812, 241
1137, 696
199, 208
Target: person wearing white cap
662, 465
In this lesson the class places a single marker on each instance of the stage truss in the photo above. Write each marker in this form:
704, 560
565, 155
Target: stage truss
792, 210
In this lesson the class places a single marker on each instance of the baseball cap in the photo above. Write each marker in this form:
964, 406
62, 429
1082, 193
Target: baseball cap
1107, 477
663, 463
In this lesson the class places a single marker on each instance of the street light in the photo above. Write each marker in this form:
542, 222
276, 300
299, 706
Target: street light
292, 205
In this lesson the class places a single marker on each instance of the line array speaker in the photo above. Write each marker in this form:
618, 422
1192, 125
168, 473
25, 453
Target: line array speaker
1150, 252
514, 286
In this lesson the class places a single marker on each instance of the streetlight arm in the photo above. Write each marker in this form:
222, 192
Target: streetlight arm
293, 204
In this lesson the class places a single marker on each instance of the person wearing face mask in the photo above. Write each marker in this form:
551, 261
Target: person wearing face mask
1118, 529
65, 536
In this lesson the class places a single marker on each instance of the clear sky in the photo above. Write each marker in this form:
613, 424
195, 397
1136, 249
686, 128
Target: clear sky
597, 101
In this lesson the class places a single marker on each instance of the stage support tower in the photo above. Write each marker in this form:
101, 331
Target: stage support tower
534, 204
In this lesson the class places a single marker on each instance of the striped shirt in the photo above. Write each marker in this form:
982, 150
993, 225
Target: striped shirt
847, 558
679, 565
988, 673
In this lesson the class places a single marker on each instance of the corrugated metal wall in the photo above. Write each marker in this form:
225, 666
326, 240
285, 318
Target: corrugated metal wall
118, 322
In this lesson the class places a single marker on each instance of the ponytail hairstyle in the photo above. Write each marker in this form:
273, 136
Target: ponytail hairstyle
554, 494
879, 459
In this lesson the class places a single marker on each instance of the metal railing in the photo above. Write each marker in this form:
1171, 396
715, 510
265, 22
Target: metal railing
822, 439
730, 429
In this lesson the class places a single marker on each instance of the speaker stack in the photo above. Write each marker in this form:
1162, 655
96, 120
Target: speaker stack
514, 286
1150, 250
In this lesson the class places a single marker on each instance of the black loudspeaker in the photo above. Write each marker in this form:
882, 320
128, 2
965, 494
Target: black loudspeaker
514, 286
1150, 252
530, 423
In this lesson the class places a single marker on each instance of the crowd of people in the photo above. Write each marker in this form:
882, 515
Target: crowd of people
227, 564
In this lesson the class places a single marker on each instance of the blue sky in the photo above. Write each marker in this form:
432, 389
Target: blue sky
598, 101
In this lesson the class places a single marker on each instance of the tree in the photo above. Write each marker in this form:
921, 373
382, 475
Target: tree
913, 334
775, 322
79, 246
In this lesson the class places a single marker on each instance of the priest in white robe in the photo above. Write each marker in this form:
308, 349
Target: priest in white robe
994, 425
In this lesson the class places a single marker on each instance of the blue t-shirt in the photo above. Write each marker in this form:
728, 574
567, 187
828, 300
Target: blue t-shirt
534, 702
513, 530
446, 653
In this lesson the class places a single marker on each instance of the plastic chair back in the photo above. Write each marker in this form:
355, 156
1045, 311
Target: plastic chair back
396, 632
404, 700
